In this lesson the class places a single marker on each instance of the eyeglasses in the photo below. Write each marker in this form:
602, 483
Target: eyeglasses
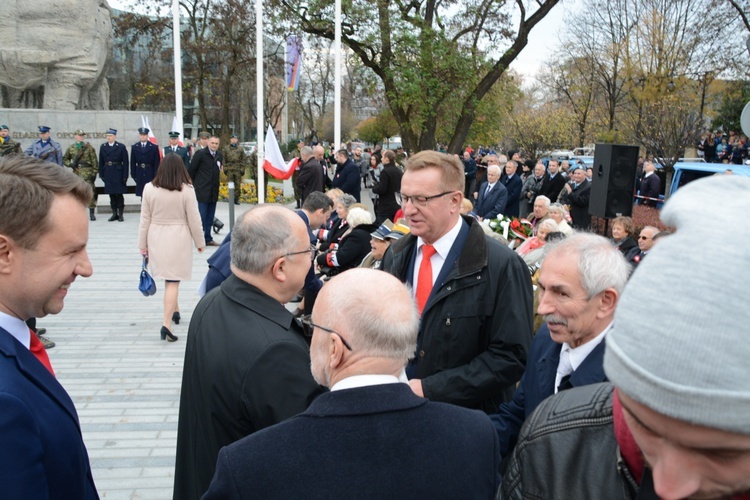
308, 327
310, 250
644, 238
419, 201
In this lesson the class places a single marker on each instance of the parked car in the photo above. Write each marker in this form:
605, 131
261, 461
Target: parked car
249, 147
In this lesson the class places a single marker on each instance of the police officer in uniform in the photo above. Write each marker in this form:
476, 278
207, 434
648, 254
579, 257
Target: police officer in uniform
81, 157
113, 169
45, 148
235, 163
144, 161
174, 147
7, 145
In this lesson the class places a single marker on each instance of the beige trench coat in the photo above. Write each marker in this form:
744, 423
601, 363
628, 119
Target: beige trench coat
169, 221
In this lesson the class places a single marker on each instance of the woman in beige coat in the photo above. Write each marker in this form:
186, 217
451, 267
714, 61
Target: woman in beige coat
170, 224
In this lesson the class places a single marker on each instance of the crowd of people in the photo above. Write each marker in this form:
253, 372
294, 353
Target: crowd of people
720, 147
427, 357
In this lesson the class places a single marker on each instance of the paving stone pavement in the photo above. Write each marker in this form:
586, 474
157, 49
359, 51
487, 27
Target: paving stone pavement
124, 380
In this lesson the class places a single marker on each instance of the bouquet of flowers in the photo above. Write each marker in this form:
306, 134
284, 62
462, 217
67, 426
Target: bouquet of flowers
511, 228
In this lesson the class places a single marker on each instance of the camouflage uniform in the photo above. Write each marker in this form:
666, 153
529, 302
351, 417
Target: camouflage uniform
81, 157
9, 147
235, 163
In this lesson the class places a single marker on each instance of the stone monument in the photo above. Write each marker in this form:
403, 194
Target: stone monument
54, 55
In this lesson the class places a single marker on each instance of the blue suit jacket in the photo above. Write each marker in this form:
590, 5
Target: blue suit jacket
514, 185
374, 442
538, 383
489, 206
42, 454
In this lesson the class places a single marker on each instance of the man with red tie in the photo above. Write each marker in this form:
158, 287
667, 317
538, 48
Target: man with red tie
473, 293
43, 236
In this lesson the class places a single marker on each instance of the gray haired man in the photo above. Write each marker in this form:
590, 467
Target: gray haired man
674, 424
247, 363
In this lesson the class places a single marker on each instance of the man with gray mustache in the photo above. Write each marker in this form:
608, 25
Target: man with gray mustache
581, 280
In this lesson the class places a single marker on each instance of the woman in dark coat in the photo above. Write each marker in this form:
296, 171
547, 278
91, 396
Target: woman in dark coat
622, 228
387, 186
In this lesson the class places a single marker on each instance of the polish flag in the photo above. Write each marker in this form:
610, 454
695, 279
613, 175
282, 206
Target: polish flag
175, 129
151, 136
274, 162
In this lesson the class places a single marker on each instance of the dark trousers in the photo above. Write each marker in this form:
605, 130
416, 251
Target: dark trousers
207, 211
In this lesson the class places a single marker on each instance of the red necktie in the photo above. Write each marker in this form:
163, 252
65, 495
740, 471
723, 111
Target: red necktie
424, 279
37, 349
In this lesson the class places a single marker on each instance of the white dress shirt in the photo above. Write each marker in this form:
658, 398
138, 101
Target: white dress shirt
442, 247
17, 328
577, 355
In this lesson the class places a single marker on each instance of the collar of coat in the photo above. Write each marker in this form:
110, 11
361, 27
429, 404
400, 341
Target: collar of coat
473, 258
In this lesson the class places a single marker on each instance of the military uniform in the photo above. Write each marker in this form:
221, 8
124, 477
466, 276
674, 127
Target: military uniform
48, 150
235, 163
81, 157
179, 151
8, 146
113, 169
144, 162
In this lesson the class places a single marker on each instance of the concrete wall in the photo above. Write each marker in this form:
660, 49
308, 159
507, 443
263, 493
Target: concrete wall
24, 123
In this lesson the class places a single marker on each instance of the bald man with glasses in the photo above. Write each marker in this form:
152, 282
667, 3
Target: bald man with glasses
370, 436
473, 294
247, 362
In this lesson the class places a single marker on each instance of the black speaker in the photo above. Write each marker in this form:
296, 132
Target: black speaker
613, 182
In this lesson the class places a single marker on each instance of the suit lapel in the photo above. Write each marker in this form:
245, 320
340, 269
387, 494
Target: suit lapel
37, 374
548, 361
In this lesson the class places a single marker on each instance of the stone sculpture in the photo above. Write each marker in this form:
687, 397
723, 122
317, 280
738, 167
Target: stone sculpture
54, 54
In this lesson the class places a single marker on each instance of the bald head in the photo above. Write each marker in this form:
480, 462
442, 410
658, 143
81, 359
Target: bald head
262, 234
382, 335
318, 152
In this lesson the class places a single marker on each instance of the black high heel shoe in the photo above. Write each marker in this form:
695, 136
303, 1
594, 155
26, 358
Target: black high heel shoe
176, 317
167, 335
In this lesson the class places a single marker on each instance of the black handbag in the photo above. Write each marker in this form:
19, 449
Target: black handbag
146, 285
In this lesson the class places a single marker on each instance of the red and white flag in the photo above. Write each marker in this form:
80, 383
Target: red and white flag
175, 129
151, 136
274, 162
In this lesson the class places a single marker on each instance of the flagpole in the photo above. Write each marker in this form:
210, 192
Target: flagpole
337, 79
259, 96
177, 68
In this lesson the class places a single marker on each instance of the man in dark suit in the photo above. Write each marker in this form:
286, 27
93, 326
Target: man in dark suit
346, 177
650, 185
554, 182
492, 195
370, 437
310, 178
43, 236
474, 294
144, 161
113, 170
386, 188
579, 307
578, 193
204, 170
247, 362
174, 147
514, 185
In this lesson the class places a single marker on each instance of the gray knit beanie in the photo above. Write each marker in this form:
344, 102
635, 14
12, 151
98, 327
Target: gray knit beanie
681, 338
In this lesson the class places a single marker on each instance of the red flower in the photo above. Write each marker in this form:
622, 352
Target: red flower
515, 224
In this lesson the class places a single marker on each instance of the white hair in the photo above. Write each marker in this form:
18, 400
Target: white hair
357, 216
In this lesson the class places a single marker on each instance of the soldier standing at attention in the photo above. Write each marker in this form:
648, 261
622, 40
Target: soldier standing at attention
7, 145
144, 161
174, 147
235, 163
113, 162
45, 148
81, 157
